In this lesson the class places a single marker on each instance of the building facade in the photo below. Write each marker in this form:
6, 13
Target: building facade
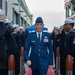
69, 7
17, 11
70, 10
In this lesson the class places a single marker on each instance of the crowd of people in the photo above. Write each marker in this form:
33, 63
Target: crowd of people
64, 40
12, 39
42, 44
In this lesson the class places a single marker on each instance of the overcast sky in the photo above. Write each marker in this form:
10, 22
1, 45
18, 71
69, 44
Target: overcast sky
52, 11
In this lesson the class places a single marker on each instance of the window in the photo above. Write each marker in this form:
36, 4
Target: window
0, 4
24, 22
6, 8
16, 18
73, 1
21, 20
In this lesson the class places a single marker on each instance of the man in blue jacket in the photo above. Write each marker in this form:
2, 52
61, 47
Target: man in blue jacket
41, 56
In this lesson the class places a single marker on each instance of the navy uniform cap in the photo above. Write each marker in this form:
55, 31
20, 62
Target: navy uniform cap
61, 26
39, 20
21, 27
8, 21
2, 12
69, 21
15, 26
56, 28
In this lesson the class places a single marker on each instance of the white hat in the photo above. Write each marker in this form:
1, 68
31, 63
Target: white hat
2, 12
21, 27
57, 28
15, 26
8, 21
61, 26
69, 21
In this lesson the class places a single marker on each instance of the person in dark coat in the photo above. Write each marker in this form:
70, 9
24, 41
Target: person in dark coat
11, 43
41, 56
70, 41
55, 40
10, 40
18, 49
3, 56
23, 34
63, 34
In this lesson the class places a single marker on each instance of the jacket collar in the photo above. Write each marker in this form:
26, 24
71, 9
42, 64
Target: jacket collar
35, 35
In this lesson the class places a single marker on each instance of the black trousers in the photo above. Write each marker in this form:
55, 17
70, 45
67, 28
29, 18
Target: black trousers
74, 68
54, 49
4, 72
62, 64
17, 63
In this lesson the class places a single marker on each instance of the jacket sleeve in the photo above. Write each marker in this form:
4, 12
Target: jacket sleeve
50, 51
71, 45
23, 39
2, 28
8, 31
27, 47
